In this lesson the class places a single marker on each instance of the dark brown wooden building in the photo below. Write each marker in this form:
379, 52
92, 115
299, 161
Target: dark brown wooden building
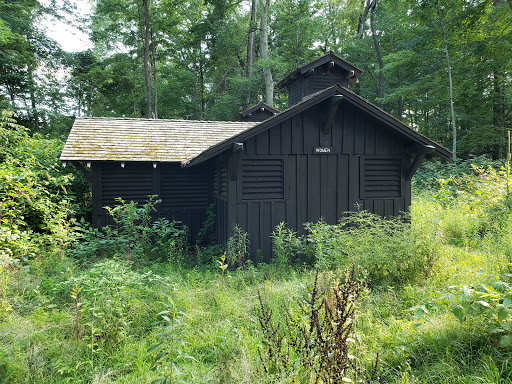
329, 152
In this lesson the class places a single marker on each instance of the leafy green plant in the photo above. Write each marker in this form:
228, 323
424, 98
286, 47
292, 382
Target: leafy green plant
36, 206
108, 291
75, 293
285, 245
5, 307
132, 223
167, 240
491, 301
238, 247
134, 234
171, 345
207, 234
388, 251
322, 245
223, 266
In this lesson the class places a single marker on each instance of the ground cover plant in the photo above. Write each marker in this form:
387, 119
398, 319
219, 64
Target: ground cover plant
428, 300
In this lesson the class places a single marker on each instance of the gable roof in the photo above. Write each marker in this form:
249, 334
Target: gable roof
330, 56
261, 105
129, 139
316, 98
191, 142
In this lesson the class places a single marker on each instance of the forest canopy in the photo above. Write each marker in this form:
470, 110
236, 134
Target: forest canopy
440, 66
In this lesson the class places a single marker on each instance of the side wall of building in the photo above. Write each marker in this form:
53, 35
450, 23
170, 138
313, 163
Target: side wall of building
295, 173
185, 193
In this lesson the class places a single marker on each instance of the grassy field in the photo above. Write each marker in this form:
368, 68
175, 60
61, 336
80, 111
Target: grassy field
433, 306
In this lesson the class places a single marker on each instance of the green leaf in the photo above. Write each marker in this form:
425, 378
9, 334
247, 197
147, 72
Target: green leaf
506, 302
153, 347
484, 303
459, 312
503, 314
506, 341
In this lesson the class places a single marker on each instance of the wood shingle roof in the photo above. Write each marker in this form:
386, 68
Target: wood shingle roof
129, 139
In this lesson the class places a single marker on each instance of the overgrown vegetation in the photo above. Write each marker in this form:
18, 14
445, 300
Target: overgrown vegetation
315, 343
429, 300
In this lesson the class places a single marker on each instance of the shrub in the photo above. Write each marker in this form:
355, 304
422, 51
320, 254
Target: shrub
134, 234
237, 248
285, 245
36, 209
491, 301
388, 251
110, 300
469, 210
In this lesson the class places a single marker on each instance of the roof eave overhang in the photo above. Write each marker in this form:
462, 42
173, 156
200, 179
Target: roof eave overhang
276, 119
376, 112
372, 110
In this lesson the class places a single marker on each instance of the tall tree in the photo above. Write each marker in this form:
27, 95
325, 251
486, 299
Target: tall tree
370, 9
267, 72
250, 46
147, 75
450, 83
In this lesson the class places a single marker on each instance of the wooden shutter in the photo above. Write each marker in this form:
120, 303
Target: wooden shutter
381, 177
262, 179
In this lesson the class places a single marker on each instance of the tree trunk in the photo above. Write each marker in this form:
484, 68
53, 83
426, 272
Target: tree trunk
31, 83
400, 100
79, 100
269, 84
499, 100
202, 90
362, 19
452, 110
250, 47
146, 58
155, 81
380, 91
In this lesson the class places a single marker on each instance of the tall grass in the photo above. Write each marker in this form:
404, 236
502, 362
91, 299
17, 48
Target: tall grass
458, 233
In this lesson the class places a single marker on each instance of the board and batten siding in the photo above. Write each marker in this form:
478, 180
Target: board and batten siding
281, 178
185, 193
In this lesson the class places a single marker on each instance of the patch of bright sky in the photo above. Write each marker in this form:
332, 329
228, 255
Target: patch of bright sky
70, 38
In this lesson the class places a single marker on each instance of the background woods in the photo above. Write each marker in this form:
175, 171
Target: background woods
422, 300
438, 66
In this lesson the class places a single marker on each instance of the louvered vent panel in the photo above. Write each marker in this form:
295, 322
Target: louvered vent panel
133, 183
321, 82
382, 178
262, 179
184, 189
294, 92
215, 182
223, 183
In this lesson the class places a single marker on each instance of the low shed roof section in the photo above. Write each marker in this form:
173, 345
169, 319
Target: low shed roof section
261, 105
129, 139
316, 98
329, 57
